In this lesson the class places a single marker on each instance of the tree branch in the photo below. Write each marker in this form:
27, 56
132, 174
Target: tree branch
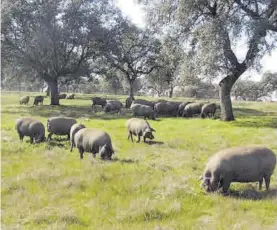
253, 45
228, 52
247, 10
271, 8
34, 63
149, 71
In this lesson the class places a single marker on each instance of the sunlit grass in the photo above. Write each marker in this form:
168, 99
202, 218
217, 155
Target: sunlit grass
155, 186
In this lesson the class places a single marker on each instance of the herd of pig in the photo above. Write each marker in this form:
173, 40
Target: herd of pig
143, 108
152, 109
237, 164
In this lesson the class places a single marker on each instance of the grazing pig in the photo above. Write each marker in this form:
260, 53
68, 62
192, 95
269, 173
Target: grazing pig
32, 128
182, 107
62, 96
129, 101
74, 129
208, 110
94, 141
38, 99
192, 109
59, 126
98, 101
113, 106
144, 102
70, 96
24, 100
143, 110
239, 164
168, 108
158, 101
139, 127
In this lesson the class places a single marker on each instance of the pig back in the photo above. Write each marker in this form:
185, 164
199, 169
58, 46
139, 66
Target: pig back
246, 164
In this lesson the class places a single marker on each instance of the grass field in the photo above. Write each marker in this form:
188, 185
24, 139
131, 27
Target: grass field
45, 186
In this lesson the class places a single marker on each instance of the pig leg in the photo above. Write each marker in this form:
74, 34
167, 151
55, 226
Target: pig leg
144, 139
220, 184
49, 136
138, 139
226, 185
94, 151
260, 183
21, 136
81, 151
130, 135
267, 182
72, 145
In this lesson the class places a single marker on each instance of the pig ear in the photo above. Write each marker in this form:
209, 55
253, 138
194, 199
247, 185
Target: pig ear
200, 178
153, 130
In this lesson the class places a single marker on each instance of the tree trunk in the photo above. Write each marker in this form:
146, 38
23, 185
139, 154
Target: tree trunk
48, 91
53, 85
170, 91
225, 99
131, 92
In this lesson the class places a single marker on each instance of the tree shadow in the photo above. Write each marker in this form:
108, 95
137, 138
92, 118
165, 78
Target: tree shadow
254, 118
73, 111
246, 112
266, 122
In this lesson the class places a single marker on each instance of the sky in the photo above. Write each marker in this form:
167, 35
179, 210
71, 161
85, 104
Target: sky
136, 14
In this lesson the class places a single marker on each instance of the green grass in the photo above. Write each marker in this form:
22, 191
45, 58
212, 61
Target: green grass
45, 186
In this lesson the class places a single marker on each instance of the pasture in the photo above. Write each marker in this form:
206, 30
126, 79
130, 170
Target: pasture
45, 186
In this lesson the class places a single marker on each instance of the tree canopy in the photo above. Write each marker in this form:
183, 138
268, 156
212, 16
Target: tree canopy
54, 38
131, 51
210, 30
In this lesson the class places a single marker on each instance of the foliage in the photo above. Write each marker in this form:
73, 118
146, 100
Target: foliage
211, 29
54, 38
20, 78
165, 77
210, 26
251, 90
269, 82
131, 51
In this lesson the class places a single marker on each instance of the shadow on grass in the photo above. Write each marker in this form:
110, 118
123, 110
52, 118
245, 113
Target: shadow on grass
245, 112
155, 143
252, 194
67, 110
254, 118
52, 144
125, 161
266, 122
